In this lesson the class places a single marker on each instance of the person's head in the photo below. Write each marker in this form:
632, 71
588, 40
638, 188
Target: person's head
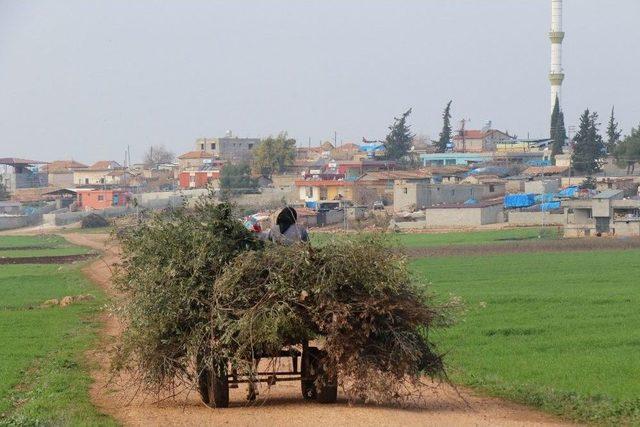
286, 218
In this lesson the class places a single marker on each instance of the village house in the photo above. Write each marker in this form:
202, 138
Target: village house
16, 174
605, 213
207, 176
60, 172
411, 195
229, 148
312, 191
478, 141
194, 160
90, 199
378, 186
99, 173
465, 215
627, 184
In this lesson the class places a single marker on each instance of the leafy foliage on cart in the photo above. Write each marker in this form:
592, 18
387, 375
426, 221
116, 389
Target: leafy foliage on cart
202, 291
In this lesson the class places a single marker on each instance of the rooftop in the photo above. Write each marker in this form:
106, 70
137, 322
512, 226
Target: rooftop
11, 161
196, 155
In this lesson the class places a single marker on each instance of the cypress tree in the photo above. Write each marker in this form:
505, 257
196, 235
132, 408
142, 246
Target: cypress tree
613, 133
445, 135
398, 141
558, 133
589, 147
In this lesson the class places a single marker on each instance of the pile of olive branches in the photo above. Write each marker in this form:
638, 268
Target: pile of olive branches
200, 290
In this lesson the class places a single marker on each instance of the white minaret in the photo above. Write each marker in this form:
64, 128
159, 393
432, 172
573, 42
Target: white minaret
556, 76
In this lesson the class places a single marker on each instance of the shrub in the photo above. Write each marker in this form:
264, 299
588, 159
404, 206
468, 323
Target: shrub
94, 221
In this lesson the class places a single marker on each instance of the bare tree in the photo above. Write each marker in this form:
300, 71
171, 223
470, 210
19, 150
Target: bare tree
158, 154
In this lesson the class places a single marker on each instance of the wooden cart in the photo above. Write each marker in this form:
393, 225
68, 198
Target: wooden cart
308, 368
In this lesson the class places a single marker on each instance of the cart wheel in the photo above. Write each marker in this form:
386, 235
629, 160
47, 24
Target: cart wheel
313, 370
203, 386
218, 387
308, 373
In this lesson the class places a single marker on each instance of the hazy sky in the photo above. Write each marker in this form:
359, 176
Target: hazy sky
82, 79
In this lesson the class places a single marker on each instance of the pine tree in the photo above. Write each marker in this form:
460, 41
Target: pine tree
589, 147
613, 133
627, 151
398, 141
558, 132
445, 135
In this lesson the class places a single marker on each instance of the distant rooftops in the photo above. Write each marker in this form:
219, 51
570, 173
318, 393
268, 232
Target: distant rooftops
15, 161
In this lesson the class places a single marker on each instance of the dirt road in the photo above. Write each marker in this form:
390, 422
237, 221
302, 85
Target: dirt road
283, 404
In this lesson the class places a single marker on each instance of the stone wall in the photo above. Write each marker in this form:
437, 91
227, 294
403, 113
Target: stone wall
535, 218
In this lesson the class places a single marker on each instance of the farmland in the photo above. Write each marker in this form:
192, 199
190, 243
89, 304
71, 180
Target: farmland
43, 374
485, 237
37, 246
557, 331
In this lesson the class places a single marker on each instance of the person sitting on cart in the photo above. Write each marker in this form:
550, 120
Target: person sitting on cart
286, 230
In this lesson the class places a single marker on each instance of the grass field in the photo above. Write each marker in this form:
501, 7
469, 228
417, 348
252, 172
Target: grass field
43, 374
414, 240
37, 246
559, 331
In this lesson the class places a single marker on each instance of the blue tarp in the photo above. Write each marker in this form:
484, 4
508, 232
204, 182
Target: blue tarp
545, 198
545, 207
311, 205
471, 201
568, 192
521, 200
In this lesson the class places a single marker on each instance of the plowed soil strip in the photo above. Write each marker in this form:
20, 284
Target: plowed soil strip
61, 259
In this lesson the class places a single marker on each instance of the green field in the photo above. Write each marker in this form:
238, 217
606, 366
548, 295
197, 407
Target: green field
414, 240
37, 246
43, 373
559, 331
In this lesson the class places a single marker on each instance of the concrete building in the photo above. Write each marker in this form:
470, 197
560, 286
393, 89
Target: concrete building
606, 213
194, 160
16, 174
412, 195
542, 186
229, 148
467, 159
312, 191
99, 173
479, 141
91, 199
60, 172
461, 215
199, 179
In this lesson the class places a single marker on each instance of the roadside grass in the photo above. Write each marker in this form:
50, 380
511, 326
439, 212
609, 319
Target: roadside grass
558, 331
44, 377
417, 240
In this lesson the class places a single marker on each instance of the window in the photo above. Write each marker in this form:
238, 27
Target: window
492, 188
213, 145
100, 197
86, 180
250, 146
309, 192
202, 146
404, 190
192, 178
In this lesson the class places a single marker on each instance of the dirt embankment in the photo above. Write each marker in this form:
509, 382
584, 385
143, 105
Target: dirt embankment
283, 404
